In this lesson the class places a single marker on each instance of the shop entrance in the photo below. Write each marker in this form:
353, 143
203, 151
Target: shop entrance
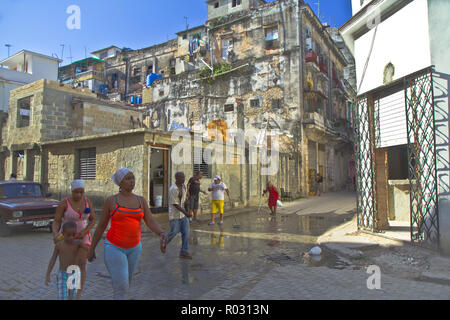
158, 178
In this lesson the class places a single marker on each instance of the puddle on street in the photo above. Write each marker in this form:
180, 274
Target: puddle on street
221, 251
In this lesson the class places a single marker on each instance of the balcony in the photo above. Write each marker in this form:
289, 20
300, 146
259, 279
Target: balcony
323, 69
338, 87
272, 44
17, 76
90, 74
312, 59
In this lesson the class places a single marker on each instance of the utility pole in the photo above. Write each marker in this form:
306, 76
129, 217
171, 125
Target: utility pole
70, 52
8, 46
187, 25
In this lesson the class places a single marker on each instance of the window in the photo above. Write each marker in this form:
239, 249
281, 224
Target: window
87, 165
226, 48
235, 3
184, 36
254, 103
216, 5
137, 72
200, 164
114, 82
229, 108
272, 41
22, 190
271, 34
161, 93
276, 103
23, 112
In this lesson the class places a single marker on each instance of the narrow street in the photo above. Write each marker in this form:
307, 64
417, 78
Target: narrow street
263, 258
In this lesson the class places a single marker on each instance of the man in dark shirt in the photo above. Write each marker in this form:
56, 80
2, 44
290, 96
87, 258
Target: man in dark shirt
193, 192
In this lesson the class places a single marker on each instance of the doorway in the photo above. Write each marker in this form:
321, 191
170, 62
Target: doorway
159, 178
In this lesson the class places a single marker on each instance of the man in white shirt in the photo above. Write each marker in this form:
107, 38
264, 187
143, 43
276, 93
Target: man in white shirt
178, 217
218, 199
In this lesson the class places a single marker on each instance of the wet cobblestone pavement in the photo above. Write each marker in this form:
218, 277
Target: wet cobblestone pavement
266, 258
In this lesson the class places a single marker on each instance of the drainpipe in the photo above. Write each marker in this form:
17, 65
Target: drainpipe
299, 134
127, 77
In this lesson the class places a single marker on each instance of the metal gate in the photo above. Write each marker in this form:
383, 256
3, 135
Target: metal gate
421, 142
364, 156
422, 160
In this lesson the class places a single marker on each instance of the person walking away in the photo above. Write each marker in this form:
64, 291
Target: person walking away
319, 184
193, 194
123, 247
78, 209
178, 216
218, 198
273, 197
69, 251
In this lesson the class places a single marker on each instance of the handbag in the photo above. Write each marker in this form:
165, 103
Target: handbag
279, 204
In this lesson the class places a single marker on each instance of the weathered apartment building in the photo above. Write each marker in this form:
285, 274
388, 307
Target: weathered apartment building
276, 68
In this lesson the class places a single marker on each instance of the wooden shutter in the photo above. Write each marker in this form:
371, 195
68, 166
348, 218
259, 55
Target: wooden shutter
201, 165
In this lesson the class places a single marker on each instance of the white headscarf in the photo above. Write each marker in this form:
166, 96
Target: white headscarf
77, 184
119, 175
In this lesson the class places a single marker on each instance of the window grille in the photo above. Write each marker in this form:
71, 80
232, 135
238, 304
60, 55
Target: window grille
87, 165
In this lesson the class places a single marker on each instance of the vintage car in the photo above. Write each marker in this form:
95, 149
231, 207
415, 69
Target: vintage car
22, 203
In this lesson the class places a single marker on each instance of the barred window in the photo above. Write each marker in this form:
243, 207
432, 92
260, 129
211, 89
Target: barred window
200, 164
87, 165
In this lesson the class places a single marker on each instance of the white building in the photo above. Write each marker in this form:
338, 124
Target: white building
403, 72
106, 53
22, 68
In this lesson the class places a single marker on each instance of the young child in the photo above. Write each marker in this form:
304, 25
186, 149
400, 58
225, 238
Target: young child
68, 252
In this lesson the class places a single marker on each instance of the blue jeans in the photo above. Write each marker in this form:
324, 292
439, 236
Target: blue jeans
121, 264
180, 225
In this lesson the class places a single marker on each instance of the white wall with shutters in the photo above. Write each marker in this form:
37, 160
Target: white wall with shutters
391, 129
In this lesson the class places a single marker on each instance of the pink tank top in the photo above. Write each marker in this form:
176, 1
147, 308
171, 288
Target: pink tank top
80, 218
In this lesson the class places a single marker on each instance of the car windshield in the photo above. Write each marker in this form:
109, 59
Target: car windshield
20, 190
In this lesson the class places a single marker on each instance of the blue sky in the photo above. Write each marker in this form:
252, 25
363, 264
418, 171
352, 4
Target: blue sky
40, 25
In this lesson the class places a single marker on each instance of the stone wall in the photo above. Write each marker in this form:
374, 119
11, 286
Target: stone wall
98, 118
125, 151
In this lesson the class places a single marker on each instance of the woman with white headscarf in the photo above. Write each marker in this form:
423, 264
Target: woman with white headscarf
78, 209
123, 247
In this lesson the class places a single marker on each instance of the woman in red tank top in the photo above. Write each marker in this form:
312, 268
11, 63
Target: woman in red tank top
123, 247
273, 197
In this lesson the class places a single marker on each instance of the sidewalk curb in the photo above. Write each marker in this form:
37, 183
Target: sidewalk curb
328, 240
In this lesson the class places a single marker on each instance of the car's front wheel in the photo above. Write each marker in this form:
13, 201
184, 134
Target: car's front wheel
5, 231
